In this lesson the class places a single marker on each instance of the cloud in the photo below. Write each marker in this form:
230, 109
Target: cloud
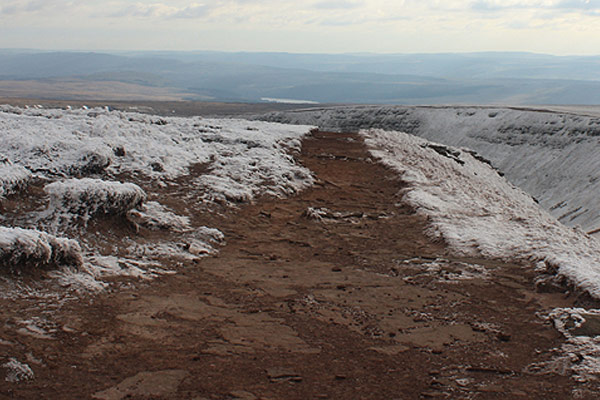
31, 6
193, 11
587, 6
337, 5
583, 4
162, 10
485, 5
144, 11
337, 25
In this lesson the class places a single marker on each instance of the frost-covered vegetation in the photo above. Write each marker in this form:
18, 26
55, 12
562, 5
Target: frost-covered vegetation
154, 215
27, 249
551, 155
76, 143
12, 178
87, 197
478, 212
92, 165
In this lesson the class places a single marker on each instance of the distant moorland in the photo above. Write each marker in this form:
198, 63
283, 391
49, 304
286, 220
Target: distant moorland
469, 78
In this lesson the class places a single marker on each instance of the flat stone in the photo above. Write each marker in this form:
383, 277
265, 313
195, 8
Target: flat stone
145, 384
492, 389
390, 350
243, 395
283, 375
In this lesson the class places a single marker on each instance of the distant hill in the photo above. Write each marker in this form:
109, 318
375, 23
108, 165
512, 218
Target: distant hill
490, 78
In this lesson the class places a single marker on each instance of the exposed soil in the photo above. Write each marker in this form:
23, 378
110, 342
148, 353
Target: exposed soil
351, 303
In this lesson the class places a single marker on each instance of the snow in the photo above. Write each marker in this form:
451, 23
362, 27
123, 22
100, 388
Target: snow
210, 235
322, 214
85, 157
17, 371
32, 248
80, 281
579, 357
107, 266
316, 214
250, 155
87, 197
154, 215
13, 178
288, 101
443, 270
478, 213
196, 243
553, 155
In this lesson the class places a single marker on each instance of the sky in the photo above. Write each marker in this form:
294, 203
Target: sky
560, 27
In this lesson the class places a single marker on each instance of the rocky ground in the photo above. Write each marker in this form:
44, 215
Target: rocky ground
335, 293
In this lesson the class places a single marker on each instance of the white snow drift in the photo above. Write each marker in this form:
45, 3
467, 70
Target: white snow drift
478, 212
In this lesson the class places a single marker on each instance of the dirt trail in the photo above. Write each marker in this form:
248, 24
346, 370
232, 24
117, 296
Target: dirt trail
352, 302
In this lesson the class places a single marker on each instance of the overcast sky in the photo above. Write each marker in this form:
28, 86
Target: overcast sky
316, 26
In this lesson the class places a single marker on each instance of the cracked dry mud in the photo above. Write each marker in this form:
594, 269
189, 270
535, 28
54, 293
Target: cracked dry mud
353, 303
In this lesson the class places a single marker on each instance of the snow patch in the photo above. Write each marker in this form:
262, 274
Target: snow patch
250, 156
22, 249
154, 215
324, 214
479, 213
443, 270
17, 371
81, 153
551, 155
210, 235
80, 281
87, 197
13, 178
197, 243
580, 355
106, 266
316, 214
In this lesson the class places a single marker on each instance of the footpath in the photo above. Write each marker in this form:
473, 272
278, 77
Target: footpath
335, 293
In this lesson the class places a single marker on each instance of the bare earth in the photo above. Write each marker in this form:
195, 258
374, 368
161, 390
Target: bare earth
301, 308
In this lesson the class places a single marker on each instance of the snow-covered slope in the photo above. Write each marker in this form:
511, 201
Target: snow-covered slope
59, 143
61, 169
553, 156
479, 213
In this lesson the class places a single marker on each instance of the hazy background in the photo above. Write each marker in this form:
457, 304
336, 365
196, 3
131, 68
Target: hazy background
340, 51
474, 78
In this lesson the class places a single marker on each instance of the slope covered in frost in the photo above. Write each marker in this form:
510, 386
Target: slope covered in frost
115, 168
551, 155
478, 212
75, 143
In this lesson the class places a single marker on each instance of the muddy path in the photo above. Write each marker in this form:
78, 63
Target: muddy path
335, 293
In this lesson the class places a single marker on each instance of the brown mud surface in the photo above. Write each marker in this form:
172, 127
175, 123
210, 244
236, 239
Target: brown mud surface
354, 302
